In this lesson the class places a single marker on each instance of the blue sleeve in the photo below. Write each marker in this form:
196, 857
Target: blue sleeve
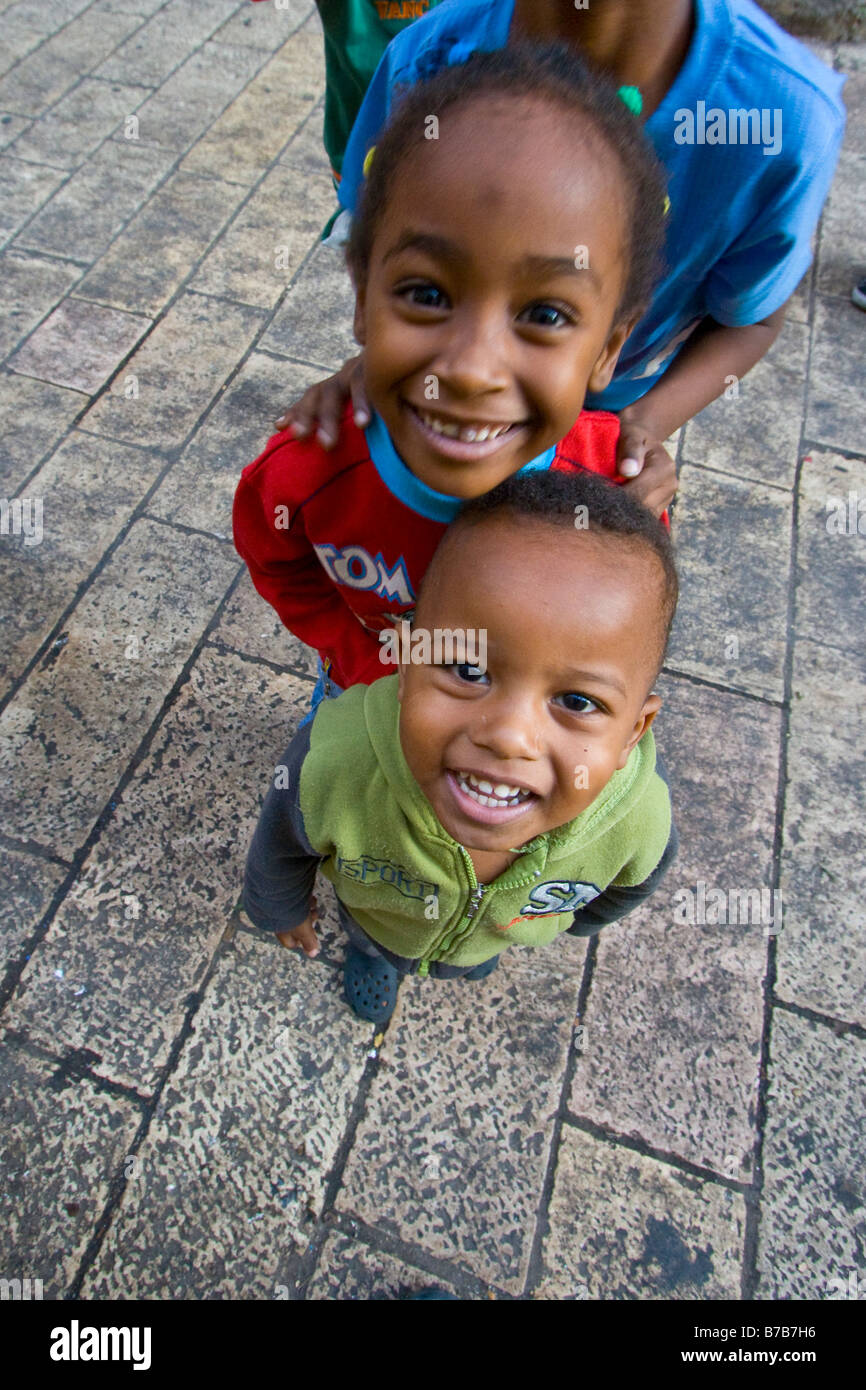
766, 263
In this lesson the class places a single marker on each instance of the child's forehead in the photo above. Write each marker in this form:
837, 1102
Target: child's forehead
510, 553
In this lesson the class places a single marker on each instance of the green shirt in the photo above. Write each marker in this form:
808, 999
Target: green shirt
413, 888
357, 32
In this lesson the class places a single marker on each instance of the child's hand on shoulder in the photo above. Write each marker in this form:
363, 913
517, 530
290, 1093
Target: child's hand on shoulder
303, 934
643, 459
321, 406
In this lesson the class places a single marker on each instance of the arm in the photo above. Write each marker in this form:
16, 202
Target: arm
746, 291
287, 573
616, 902
701, 372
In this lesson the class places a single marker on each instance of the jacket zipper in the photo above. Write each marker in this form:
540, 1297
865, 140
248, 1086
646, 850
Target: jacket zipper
476, 894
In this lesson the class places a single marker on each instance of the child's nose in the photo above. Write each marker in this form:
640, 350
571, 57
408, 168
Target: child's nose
474, 357
509, 728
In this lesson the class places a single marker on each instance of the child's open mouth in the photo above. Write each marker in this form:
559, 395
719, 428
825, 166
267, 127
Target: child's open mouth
463, 440
489, 802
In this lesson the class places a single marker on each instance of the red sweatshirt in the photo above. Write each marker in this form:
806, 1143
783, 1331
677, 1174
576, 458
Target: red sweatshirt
338, 542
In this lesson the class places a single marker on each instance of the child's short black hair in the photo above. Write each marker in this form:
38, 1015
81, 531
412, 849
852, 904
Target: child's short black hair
554, 497
549, 71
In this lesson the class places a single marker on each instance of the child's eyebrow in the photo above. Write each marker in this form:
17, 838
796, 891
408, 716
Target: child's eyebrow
572, 675
550, 266
440, 248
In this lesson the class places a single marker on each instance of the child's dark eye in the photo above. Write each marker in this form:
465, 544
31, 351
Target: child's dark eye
547, 316
577, 704
427, 296
466, 672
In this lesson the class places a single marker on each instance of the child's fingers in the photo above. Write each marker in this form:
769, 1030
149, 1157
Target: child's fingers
307, 939
332, 402
631, 452
657, 482
297, 418
360, 404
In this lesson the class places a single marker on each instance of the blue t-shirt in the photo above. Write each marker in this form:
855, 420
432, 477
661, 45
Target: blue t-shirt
742, 213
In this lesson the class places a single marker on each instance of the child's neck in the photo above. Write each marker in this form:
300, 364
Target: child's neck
621, 37
489, 864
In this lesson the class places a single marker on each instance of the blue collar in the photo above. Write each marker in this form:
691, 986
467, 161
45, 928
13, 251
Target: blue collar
417, 496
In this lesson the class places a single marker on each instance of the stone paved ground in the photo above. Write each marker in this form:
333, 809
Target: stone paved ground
674, 1112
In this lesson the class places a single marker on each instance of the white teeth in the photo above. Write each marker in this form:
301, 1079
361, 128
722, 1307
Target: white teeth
486, 794
470, 434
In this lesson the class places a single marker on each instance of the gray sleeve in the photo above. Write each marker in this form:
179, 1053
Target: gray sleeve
616, 902
281, 863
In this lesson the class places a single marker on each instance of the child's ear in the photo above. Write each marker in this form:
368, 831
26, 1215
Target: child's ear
651, 706
605, 363
359, 285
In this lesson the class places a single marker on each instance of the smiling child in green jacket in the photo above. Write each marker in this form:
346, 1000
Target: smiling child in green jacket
504, 787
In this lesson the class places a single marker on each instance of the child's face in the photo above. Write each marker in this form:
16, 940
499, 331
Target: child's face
492, 290
573, 630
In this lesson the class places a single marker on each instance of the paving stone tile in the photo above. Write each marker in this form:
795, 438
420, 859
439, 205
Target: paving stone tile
88, 490
831, 552
89, 37
251, 131
348, 1270
200, 488
851, 57
28, 887
733, 542
854, 97
799, 307
29, 289
465, 1092
314, 323
250, 625
235, 1163
675, 1011
16, 41
196, 93
306, 149
176, 372
810, 1241
84, 39
63, 1140
821, 954
79, 345
756, 433
159, 45
145, 8
36, 82
139, 926
68, 734
156, 251
11, 127
76, 125
257, 256
34, 415
623, 1226
836, 412
841, 255
82, 218
265, 26
24, 187
47, 17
